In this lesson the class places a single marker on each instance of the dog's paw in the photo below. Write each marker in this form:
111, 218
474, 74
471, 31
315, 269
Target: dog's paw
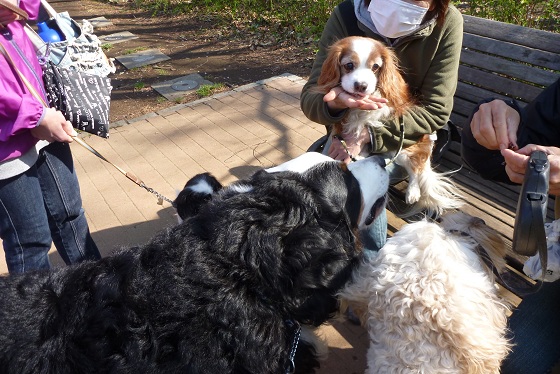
413, 193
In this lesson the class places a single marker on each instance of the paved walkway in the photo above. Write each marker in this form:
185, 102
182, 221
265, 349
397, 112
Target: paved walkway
231, 135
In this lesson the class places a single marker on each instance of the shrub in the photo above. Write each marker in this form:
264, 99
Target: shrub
539, 14
307, 17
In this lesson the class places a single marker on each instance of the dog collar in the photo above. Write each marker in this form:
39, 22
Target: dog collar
295, 330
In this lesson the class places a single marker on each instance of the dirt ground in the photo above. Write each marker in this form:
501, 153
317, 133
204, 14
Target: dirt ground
230, 55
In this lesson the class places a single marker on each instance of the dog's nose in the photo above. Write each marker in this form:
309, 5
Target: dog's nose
360, 86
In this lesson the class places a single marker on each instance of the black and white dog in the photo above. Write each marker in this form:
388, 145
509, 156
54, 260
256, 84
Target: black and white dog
198, 191
223, 292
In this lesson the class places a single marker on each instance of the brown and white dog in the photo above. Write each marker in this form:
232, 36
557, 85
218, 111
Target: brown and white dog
365, 67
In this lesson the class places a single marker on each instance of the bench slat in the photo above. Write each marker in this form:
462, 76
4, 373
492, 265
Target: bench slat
533, 38
498, 83
509, 68
512, 51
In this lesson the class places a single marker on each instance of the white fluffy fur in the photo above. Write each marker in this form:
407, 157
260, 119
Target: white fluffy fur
427, 189
432, 305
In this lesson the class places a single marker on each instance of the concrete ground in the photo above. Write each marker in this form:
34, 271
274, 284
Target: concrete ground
230, 135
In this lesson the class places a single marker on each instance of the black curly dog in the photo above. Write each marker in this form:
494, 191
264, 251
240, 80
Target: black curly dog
223, 292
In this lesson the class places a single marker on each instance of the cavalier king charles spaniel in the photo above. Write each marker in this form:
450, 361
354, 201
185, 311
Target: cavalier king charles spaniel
365, 67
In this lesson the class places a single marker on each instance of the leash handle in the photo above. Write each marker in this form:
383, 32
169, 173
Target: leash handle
133, 178
529, 236
528, 231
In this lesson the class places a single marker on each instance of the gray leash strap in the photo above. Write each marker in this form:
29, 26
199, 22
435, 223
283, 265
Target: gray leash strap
129, 175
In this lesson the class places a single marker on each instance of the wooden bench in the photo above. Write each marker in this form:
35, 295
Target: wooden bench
497, 60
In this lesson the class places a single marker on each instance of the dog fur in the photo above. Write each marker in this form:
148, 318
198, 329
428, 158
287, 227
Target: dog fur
365, 67
222, 292
197, 191
432, 305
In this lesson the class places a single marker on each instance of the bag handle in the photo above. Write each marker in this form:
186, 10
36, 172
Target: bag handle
14, 8
22, 77
48, 8
38, 43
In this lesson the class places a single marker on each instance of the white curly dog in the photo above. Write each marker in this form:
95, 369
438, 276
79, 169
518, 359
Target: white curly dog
432, 304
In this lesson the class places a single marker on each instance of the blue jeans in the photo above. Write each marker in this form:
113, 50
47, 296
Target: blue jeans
41, 206
375, 235
535, 331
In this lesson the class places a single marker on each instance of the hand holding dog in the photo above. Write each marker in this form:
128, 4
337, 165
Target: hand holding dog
495, 125
338, 99
516, 164
54, 127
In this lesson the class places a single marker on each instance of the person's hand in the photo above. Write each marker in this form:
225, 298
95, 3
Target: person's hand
516, 165
7, 15
338, 99
495, 124
354, 145
54, 127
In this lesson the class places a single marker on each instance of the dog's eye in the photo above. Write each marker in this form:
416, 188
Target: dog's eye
375, 68
349, 66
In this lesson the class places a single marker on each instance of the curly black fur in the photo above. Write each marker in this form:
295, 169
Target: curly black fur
211, 295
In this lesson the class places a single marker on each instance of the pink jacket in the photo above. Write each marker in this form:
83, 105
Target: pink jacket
19, 109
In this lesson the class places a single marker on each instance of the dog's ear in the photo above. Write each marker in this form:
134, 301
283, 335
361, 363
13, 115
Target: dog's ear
197, 192
391, 83
330, 71
325, 247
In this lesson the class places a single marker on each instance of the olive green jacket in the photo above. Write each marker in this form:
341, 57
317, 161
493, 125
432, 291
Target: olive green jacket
429, 60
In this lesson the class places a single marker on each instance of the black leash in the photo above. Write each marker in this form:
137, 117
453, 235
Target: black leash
401, 143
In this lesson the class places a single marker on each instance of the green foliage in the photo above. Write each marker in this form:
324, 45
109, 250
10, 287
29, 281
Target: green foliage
539, 14
306, 18
301, 16
138, 86
209, 89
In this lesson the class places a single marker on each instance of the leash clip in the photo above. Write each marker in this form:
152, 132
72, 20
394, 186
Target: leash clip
293, 325
343, 142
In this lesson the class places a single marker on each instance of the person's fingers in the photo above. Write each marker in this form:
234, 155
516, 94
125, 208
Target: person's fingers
332, 94
515, 161
67, 127
530, 148
500, 128
512, 136
514, 176
554, 175
482, 128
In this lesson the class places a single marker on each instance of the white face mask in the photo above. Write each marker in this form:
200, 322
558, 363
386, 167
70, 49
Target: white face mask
395, 18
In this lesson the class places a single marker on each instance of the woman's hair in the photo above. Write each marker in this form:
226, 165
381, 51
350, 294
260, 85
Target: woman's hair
440, 8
